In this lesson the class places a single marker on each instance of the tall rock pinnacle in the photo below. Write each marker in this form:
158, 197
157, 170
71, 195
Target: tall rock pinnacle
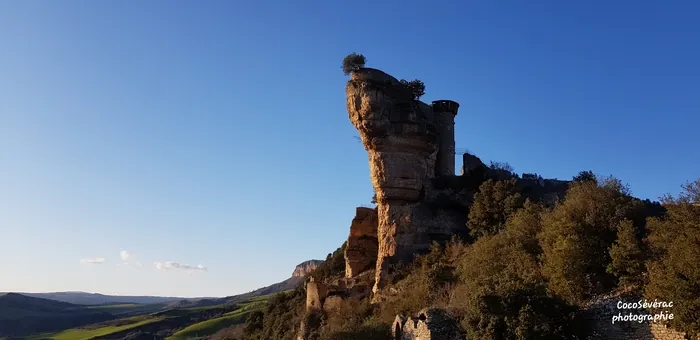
403, 138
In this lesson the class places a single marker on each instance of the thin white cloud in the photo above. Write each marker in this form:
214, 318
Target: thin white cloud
175, 265
127, 255
98, 260
124, 255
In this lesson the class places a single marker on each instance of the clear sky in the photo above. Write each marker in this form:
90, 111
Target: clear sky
214, 133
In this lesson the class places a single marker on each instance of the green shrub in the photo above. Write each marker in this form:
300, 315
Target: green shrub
416, 87
281, 317
493, 204
674, 273
578, 234
502, 293
627, 256
366, 331
353, 62
585, 176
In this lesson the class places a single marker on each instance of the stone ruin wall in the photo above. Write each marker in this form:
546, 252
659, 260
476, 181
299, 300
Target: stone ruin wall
428, 324
316, 293
599, 314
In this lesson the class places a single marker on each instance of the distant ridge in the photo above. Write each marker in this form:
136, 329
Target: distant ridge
83, 298
21, 314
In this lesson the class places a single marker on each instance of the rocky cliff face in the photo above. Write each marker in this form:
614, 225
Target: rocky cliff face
306, 267
361, 249
402, 138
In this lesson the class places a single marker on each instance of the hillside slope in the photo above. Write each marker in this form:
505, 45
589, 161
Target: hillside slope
21, 314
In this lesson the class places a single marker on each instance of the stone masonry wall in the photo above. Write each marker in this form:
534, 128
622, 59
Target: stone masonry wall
316, 293
428, 324
601, 312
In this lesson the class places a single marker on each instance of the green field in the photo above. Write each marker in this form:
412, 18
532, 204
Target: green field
212, 326
204, 328
85, 334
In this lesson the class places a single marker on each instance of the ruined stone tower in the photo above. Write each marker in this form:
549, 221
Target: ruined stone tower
445, 112
409, 144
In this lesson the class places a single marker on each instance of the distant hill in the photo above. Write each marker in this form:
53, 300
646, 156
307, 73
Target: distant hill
298, 276
20, 314
90, 299
34, 313
306, 267
83, 298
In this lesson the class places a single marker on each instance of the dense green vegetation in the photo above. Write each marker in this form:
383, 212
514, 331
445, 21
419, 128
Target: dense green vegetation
528, 269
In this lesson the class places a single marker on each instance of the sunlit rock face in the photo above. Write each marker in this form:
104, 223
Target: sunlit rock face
362, 245
306, 268
402, 138
397, 133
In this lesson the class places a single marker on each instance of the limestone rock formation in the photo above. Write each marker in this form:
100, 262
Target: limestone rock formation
428, 324
362, 245
408, 143
306, 267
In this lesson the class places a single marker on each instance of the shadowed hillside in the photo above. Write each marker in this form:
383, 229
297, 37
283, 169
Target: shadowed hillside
21, 314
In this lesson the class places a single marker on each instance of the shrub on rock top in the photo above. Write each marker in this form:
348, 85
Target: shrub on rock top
416, 87
353, 62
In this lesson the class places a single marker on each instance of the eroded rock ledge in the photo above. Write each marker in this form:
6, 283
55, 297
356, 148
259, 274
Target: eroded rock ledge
362, 246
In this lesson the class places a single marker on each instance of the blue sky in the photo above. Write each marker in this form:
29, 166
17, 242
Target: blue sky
214, 133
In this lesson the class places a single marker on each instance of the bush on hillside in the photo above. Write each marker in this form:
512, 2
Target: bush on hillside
585, 176
674, 273
577, 235
627, 256
493, 204
254, 322
502, 292
427, 282
282, 315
